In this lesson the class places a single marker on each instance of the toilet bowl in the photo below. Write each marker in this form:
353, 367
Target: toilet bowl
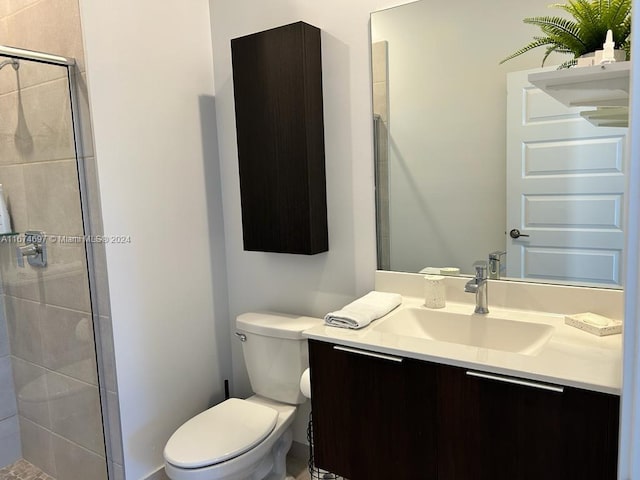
248, 439
235, 453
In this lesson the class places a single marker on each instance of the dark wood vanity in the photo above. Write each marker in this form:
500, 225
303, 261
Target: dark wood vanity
385, 417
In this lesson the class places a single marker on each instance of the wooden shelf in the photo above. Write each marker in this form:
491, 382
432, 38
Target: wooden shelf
607, 116
601, 86
597, 86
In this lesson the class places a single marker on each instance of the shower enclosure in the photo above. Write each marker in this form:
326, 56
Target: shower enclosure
51, 418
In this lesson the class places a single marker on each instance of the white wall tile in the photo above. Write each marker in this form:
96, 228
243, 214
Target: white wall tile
31, 392
76, 463
4, 330
68, 343
37, 446
25, 336
75, 411
10, 450
8, 406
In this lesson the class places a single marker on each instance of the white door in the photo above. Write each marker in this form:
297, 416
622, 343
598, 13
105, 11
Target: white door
565, 190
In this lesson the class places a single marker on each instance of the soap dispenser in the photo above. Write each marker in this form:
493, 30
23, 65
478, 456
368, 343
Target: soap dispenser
434, 291
608, 54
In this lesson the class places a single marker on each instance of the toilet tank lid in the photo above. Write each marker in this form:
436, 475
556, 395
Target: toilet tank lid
279, 325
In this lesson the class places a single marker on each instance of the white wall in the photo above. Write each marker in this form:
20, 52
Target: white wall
629, 460
293, 283
150, 76
447, 109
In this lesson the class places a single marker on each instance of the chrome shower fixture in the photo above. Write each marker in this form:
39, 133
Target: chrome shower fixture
12, 61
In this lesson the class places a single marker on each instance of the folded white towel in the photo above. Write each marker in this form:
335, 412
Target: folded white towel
363, 311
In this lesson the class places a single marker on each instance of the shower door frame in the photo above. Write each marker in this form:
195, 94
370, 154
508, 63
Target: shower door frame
70, 64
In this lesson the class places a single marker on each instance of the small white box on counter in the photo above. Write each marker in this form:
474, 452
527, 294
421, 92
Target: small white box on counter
594, 323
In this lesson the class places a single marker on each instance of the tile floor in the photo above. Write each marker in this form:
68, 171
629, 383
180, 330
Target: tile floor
297, 469
23, 470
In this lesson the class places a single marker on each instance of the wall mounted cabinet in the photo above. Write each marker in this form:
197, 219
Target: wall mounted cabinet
277, 81
385, 417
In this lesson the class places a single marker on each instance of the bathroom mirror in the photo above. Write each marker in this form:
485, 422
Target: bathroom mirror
452, 162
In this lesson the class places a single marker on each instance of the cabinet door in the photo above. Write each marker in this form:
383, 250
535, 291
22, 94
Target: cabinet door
373, 417
590, 423
492, 430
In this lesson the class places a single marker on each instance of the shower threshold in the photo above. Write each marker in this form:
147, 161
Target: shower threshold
23, 470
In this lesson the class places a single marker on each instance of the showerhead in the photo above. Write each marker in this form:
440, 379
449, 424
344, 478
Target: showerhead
12, 61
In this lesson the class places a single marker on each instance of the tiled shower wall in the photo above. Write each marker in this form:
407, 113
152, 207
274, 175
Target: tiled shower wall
9, 428
49, 315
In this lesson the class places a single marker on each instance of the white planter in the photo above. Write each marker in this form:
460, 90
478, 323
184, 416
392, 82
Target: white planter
595, 58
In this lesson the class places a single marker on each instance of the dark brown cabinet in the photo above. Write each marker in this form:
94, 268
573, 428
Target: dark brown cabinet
492, 430
277, 82
434, 421
371, 419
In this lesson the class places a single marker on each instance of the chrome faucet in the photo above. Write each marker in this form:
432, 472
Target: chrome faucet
495, 266
478, 285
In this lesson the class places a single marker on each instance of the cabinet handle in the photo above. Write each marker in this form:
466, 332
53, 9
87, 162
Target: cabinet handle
368, 354
516, 381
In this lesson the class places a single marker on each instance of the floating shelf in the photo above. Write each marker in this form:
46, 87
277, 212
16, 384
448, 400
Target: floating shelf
601, 86
607, 116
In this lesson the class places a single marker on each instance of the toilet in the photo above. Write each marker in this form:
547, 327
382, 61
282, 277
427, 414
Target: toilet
249, 439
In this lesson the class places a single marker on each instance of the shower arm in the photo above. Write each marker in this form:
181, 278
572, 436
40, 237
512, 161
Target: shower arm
12, 61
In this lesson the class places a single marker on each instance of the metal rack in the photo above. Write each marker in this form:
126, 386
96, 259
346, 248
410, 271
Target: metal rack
314, 472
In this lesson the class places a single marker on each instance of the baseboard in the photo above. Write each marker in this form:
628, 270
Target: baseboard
299, 450
158, 475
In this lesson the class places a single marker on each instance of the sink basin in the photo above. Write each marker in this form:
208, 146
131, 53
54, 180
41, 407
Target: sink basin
472, 329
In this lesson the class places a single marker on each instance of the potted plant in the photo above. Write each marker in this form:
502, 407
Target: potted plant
583, 34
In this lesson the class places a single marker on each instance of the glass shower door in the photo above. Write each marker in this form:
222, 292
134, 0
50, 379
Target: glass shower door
50, 412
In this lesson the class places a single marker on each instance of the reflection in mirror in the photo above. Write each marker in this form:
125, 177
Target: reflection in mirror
467, 152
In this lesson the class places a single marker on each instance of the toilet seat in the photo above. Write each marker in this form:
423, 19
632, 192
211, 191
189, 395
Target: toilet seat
224, 431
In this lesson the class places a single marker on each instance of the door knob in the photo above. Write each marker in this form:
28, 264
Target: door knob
515, 233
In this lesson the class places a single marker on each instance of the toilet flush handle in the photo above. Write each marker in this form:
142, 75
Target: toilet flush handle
241, 336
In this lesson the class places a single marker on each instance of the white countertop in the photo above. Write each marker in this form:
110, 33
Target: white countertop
570, 357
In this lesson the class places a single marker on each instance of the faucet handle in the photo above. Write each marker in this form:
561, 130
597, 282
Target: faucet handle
481, 269
495, 269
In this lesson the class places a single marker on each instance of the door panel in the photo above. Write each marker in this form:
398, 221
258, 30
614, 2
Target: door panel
565, 190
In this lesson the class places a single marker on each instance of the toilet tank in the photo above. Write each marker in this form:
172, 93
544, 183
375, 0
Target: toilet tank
275, 353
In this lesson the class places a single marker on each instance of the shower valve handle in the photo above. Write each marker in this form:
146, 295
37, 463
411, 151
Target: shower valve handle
34, 249
30, 250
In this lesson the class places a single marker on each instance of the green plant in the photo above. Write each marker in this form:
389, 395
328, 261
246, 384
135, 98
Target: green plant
585, 33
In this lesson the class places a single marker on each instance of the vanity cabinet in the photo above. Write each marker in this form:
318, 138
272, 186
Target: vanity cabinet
371, 419
378, 418
490, 429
